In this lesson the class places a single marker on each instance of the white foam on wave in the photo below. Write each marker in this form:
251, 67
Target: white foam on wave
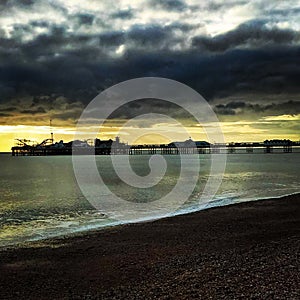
63, 227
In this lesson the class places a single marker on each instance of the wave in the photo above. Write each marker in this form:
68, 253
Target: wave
64, 225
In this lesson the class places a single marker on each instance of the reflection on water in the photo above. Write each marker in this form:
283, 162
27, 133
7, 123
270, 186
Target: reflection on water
40, 197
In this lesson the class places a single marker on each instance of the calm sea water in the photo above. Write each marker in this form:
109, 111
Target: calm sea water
40, 198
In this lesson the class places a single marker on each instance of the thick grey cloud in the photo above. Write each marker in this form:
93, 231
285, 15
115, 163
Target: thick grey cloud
80, 53
173, 5
145, 106
123, 14
82, 73
37, 110
239, 108
4, 4
112, 38
41, 108
149, 36
85, 19
250, 34
221, 5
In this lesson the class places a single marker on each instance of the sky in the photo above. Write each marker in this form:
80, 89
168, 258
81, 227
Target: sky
242, 56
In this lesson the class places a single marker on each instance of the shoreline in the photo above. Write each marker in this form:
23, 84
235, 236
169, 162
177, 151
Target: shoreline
248, 249
80, 232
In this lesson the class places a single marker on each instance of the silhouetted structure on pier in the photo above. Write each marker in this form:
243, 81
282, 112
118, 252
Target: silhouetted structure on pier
110, 147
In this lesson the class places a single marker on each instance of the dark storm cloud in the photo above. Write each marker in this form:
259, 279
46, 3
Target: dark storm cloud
26, 2
237, 104
254, 33
145, 106
289, 107
156, 37
220, 75
151, 36
123, 14
240, 107
85, 19
42, 108
112, 38
216, 5
62, 60
8, 109
284, 12
4, 4
42, 24
76, 65
223, 110
37, 110
173, 5
229, 108
6, 92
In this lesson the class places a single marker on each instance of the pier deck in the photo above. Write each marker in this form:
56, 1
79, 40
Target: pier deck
155, 149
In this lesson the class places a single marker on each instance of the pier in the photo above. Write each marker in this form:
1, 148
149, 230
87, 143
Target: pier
110, 147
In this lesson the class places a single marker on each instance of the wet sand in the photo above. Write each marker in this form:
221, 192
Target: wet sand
242, 251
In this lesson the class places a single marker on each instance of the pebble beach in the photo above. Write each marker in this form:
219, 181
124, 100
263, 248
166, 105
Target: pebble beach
242, 251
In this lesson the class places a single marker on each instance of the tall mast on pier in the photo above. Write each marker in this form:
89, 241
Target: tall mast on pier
51, 131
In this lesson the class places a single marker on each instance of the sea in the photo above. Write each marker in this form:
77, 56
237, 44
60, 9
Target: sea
40, 197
